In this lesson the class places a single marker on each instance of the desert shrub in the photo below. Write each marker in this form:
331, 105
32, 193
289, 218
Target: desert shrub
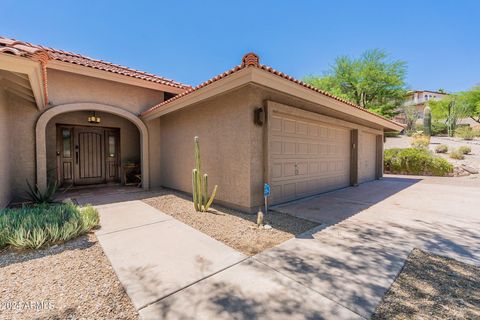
457, 154
419, 127
415, 161
465, 132
409, 132
441, 148
420, 141
36, 195
465, 149
392, 134
439, 128
45, 224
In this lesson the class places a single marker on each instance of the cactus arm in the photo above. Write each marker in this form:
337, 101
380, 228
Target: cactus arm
198, 182
194, 189
197, 154
209, 203
205, 190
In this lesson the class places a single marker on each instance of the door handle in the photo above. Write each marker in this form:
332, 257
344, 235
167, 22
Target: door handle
77, 149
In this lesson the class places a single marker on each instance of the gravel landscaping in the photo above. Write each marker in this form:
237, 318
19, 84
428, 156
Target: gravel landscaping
432, 287
235, 229
69, 281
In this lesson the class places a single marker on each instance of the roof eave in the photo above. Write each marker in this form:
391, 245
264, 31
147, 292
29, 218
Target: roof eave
34, 71
267, 79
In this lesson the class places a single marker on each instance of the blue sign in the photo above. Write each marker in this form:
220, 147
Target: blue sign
266, 190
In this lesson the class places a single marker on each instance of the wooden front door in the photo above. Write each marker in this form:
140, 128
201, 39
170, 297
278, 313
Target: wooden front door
87, 155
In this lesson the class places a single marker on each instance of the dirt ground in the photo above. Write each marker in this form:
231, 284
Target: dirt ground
432, 287
73, 280
236, 229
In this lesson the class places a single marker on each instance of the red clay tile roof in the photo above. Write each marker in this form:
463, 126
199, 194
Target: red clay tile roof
252, 60
25, 49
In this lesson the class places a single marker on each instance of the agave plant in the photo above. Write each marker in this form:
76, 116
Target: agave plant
46, 196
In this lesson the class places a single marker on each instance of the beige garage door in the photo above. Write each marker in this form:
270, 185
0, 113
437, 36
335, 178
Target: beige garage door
306, 157
367, 157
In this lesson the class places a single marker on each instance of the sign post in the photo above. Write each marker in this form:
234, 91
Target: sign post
266, 194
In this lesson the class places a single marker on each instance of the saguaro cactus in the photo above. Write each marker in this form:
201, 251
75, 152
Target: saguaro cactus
427, 121
201, 201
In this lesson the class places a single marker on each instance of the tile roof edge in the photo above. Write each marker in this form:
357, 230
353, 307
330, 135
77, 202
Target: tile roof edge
34, 49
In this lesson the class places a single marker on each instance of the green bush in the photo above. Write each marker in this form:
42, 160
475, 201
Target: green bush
465, 149
392, 134
45, 224
465, 132
439, 128
410, 132
415, 161
443, 148
457, 154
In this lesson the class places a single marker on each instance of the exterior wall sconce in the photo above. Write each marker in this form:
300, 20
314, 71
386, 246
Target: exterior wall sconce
259, 116
93, 118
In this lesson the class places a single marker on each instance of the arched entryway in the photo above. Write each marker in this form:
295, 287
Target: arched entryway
41, 137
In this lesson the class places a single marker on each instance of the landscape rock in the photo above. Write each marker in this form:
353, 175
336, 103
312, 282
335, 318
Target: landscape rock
469, 169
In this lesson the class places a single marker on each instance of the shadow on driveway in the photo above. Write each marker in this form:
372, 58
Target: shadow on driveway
332, 207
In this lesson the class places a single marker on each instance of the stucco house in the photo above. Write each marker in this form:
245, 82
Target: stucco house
78, 120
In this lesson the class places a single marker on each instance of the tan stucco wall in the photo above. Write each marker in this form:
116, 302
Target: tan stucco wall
23, 115
129, 135
64, 87
4, 150
154, 135
222, 125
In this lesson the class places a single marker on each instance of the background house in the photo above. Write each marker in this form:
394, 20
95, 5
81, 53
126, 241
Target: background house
419, 99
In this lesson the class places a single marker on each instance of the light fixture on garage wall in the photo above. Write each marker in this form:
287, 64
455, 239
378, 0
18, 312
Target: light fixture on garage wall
93, 118
259, 116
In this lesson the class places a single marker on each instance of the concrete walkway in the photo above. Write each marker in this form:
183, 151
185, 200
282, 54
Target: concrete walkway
155, 255
339, 271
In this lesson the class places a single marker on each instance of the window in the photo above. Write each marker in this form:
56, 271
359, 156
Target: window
67, 143
111, 146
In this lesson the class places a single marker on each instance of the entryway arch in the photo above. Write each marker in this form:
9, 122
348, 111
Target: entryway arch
45, 117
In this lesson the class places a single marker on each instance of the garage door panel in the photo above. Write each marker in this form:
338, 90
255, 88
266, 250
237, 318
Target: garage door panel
302, 148
276, 125
289, 126
276, 147
314, 157
313, 130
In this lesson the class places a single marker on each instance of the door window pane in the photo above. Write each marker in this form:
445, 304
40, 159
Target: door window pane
67, 143
111, 146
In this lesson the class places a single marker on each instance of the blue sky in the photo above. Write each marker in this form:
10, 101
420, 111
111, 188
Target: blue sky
191, 41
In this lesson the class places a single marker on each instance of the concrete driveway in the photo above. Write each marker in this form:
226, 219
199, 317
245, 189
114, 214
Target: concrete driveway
370, 231
341, 270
